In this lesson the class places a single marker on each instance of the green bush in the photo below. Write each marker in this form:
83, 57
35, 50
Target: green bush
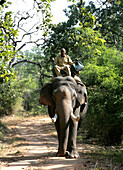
7, 99
103, 77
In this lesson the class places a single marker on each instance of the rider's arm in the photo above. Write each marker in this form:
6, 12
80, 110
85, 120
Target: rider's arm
70, 62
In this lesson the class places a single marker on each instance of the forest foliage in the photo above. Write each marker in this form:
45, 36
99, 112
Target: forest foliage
91, 33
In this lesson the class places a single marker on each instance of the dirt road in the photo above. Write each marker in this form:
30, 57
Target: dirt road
36, 145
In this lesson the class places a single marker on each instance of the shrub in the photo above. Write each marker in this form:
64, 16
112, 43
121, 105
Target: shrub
103, 77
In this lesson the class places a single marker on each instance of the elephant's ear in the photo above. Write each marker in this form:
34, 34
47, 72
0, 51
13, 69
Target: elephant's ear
81, 94
46, 95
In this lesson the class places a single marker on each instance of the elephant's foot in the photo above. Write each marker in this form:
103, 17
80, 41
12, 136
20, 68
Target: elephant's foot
73, 154
60, 154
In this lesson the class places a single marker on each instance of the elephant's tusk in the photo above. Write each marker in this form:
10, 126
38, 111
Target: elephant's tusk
73, 117
54, 118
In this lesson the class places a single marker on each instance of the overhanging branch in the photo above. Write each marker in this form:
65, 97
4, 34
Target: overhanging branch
38, 64
28, 61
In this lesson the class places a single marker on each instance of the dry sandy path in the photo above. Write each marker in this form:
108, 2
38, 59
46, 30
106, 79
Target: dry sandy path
37, 148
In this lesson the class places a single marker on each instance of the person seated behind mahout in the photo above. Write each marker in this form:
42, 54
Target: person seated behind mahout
76, 67
63, 62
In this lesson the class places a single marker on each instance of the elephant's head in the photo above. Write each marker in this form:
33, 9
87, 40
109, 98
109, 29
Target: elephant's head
63, 92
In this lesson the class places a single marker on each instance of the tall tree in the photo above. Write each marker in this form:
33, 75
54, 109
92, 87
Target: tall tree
109, 16
10, 27
7, 50
76, 35
9, 30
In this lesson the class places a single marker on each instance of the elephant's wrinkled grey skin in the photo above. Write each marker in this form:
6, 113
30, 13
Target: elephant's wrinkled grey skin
64, 96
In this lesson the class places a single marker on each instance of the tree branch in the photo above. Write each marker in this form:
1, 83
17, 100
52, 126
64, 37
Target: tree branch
38, 64
29, 42
28, 61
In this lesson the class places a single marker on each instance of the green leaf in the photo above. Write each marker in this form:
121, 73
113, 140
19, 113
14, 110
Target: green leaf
7, 79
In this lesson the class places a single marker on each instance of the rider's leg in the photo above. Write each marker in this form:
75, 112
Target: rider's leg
67, 69
57, 70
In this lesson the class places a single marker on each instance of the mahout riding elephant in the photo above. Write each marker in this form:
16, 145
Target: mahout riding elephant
67, 106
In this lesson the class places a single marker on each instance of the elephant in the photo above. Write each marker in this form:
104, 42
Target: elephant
67, 106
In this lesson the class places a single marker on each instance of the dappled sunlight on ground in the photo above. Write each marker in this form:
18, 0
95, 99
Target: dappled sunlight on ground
35, 147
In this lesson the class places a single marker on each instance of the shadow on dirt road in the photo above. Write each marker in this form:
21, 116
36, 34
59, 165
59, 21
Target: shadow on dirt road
37, 147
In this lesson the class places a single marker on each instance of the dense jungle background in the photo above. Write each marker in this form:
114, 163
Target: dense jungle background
93, 33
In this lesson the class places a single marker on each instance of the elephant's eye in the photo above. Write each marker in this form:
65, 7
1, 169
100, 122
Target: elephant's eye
74, 95
79, 91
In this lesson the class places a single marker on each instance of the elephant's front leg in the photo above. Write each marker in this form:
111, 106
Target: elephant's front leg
62, 133
71, 148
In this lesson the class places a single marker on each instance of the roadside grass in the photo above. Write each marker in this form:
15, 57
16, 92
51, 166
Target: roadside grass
8, 135
3, 130
114, 154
